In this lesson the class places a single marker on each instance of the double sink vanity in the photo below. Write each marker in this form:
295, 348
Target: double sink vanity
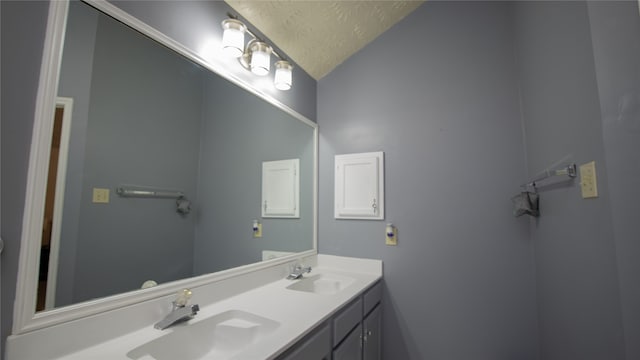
331, 312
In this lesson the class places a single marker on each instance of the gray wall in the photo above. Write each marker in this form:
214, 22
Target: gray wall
577, 274
616, 50
438, 94
196, 24
75, 82
23, 30
20, 68
239, 132
143, 130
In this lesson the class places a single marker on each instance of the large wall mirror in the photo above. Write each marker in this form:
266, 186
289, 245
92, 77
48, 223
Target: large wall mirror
154, 174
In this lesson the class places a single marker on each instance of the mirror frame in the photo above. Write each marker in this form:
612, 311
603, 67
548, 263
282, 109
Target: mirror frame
25, 317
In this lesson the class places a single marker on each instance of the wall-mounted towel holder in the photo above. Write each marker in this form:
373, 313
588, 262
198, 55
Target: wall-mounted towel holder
527, 201
163, 194
183, 205
569, 170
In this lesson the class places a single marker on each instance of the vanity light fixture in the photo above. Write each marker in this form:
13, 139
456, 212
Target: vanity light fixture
255, 56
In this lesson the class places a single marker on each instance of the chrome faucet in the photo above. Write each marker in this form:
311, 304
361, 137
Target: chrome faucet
297, 271
180, 311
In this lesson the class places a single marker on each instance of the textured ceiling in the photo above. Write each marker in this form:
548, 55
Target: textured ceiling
319, 35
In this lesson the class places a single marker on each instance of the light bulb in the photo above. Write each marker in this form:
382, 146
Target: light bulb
282, 80
260, 58
233, 37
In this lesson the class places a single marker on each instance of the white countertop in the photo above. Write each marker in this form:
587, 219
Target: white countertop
297, 312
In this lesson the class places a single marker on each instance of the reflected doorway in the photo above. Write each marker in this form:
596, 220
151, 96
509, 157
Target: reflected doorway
52, 220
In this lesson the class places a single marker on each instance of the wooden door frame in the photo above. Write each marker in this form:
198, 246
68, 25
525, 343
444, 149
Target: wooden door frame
61, 174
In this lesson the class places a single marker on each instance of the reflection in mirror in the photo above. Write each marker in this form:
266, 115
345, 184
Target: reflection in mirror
144, 118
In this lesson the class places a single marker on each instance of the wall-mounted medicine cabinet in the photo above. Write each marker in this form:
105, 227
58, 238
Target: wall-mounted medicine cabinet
280, 189
359, 186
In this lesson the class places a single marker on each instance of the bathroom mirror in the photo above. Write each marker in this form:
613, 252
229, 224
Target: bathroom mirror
154, 171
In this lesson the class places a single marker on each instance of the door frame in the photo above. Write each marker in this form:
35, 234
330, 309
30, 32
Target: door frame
66, 104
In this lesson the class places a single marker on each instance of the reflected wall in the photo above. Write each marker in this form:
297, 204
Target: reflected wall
145, 117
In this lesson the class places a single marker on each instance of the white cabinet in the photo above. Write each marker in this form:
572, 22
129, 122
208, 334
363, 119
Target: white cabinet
280, 189
359, 186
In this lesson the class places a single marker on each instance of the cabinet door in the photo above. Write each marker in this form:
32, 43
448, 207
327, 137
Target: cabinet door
281, 189
316, 346
372, 337
351, 347
359, 186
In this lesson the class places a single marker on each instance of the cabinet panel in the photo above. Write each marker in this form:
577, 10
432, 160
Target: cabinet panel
372, 335
316, 346
372, 297
346, 320
351, 347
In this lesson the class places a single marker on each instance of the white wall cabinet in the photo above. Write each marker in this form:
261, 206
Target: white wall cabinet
359, 186
281, 189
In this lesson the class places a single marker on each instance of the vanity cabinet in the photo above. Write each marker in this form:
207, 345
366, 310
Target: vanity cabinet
351, 346
353, 333
315, 346
372, 335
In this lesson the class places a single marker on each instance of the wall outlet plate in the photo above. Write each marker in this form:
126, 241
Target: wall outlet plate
588, 183
258, 232
100, 196
391, 240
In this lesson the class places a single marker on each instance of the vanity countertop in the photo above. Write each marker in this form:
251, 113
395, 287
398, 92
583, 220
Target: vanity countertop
295, 312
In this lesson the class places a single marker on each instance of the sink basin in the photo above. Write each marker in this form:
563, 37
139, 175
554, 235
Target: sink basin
326, 284
219, 336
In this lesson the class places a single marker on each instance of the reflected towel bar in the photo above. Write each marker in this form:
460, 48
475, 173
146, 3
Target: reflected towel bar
569, 170
149, 193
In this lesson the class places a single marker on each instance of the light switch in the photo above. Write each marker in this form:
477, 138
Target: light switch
588, 182
100, 196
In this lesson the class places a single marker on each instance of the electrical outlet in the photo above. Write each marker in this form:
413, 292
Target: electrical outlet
257, 233
588, 183
393, 239
100, 196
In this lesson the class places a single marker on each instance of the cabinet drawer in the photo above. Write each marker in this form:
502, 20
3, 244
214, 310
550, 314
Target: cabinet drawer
372, 297
344, 322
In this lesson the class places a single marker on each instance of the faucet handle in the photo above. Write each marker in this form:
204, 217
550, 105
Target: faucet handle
194, 309
182, 298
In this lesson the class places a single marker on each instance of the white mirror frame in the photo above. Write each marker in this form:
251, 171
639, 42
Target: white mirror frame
25, 317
